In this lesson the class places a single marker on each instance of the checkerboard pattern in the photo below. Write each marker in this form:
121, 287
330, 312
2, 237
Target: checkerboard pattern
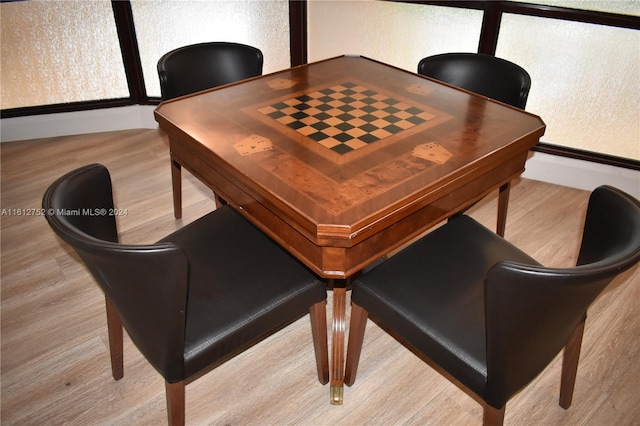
346, 117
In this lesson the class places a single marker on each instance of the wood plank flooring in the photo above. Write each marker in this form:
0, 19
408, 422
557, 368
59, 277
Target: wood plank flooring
54, 357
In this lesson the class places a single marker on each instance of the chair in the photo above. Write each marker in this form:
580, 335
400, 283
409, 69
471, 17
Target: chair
198, 67
196, 298
488, 316
486, 75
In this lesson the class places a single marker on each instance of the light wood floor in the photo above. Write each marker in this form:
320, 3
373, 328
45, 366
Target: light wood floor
55, 363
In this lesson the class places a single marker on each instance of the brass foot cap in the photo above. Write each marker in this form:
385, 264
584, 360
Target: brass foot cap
336, 395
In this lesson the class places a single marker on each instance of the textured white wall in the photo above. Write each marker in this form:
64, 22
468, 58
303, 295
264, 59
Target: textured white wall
396, 33
585, 81
162, 26
68, 51
59, 51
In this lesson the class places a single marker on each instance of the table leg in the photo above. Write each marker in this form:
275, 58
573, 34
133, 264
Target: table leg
337, 342
177, 188
503, 204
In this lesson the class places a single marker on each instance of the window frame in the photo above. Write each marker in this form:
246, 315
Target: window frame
490, 29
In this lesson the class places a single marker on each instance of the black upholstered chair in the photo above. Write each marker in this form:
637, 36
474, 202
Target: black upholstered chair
489, 317
486, 75
199, 67
194, 299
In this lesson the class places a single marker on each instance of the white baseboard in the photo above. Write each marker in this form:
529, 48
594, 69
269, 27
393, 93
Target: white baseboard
543, 167
580, 174
77, 123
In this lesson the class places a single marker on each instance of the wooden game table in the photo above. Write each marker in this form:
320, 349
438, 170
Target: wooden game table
344, 160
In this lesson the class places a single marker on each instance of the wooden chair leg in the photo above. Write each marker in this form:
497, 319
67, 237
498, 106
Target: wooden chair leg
114, 327
570, 360
354, 347
503, 204
176, 181
318, 313
218, 201
492, 416
175, 403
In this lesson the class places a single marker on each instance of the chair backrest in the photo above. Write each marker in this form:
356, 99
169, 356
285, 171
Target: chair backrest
147, 284
202, 66
531, 311
486, 75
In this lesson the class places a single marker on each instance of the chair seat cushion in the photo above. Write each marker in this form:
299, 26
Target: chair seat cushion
440, 310
237, 272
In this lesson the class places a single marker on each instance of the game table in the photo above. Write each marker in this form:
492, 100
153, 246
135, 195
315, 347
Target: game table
344, 160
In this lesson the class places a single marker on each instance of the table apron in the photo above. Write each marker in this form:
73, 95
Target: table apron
335, 259
353, 259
